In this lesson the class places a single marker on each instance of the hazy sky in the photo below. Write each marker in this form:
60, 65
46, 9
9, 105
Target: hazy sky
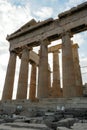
15, 13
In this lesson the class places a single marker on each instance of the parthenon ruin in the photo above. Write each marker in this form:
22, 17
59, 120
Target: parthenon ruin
34, 34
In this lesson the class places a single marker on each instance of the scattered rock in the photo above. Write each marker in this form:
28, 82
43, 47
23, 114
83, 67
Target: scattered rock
68, 122
63, 128
79, 126
59, 120
29, 113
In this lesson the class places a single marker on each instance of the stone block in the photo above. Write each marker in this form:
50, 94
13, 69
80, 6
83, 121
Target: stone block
63, 128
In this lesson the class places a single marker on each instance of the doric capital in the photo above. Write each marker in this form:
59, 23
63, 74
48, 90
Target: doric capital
44, 41
32, 62
55, 48
75, 46
26, 48
56, 51
13, 53
67, 33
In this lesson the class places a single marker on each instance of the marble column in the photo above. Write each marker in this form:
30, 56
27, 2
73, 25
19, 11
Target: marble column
9, 80
69, 83
49, 83
43, 70
23, 75
32, 91
56, 90
77, 70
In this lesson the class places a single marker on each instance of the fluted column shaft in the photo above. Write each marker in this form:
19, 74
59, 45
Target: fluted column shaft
43, 71
49, 83
23, 76
69, 83
32, 91
56, 76
77, 70
9, 80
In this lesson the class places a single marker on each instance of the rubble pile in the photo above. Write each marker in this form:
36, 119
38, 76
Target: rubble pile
33, 119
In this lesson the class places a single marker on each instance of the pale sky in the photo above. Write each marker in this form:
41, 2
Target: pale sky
15, 13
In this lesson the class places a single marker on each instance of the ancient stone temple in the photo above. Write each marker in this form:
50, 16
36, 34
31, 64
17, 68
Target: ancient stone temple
41, 34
